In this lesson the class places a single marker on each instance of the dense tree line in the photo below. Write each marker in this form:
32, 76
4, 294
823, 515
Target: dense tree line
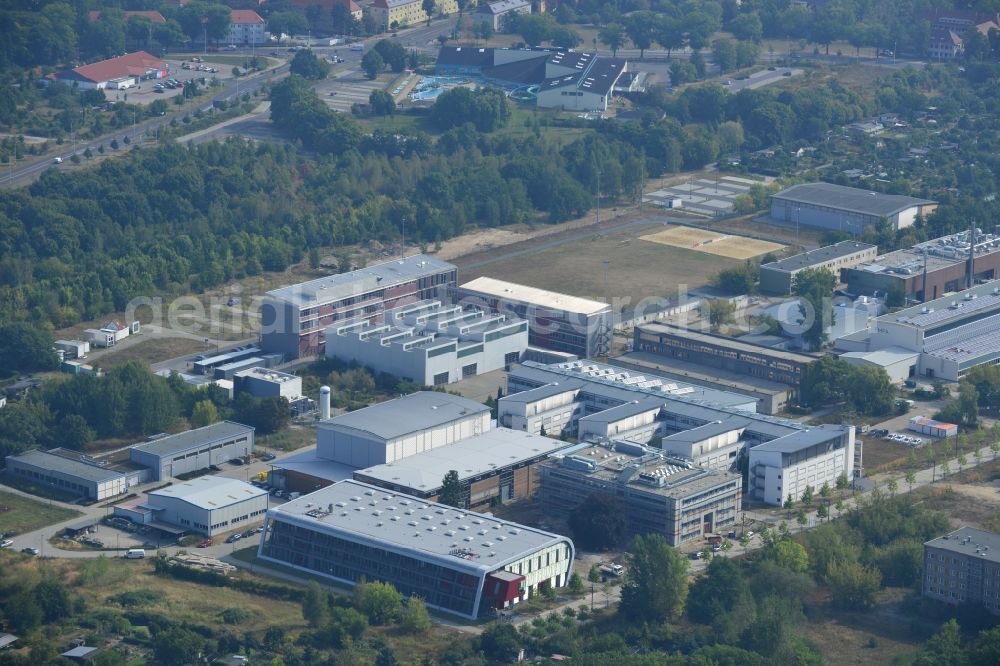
129, 401
866, 389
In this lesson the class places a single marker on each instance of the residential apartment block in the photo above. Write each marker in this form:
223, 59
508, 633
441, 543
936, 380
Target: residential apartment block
963, 567
245, 27
392, 14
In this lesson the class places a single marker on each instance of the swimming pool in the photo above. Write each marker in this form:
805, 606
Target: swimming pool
430, 87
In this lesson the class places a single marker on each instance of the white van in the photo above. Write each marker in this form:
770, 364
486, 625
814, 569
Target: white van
134, 554
357, 46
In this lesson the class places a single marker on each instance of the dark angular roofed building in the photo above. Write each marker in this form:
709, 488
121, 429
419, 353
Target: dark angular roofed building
568, 79
847, 209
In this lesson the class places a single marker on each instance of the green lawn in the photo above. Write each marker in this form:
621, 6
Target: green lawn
19, 514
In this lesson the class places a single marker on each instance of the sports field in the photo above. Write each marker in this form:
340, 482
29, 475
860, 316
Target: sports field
713, 242
636, 268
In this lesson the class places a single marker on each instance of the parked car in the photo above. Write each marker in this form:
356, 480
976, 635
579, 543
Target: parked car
6, 543
248, 534
233, 538
58, 160
696, 555
206, 543
267, 457
29, 551
787, 72
236, 461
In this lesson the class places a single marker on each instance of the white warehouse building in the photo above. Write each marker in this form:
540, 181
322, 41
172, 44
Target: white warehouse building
430, 343
784, 467
392, 430
208, 504
265, 383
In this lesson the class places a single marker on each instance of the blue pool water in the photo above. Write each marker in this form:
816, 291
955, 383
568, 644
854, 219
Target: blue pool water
432, 86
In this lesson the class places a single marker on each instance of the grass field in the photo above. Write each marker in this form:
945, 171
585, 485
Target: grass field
637, 269
153, 351
19, 515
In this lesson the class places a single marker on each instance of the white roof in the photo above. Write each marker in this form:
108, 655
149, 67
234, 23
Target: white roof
480, 454
535, 296
209, 492
462, 539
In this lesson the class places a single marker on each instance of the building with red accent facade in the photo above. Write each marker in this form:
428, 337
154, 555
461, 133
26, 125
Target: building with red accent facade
293, 318
457, 561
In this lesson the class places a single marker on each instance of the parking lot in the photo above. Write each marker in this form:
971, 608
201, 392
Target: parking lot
147, 92
348, 87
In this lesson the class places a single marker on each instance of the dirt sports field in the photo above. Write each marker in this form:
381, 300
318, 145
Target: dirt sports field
713, 242
636, 268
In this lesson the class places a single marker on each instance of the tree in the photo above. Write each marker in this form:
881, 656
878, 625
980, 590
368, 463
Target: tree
381, 103
598, 522
801, 518
393, 54
565, 38
203, 21
415, 618
814, 287
487, 109
428, 6
822, 512
204, 413
852, 585
656, 584
721, 311
746, 54
640, 27
612, 36
307, 65
807, 496
682, 71
724, 55
452, 491
576, 584
842, 481
373, 64
500, 642
314, 604
720, 589
287, 23
25, 347
790, 555
177, 646
911, 478
747, 26
380, 602
534, 28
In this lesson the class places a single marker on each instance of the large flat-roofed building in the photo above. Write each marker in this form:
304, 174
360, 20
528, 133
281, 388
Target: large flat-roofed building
940, 339
556, 321
690, 427
776, 365
208, 504
786, 466
294, 318
928, 270
963, 568
778, 277
458, 562
493, 467
847, 209
194, 449
675, 499
430, 343
392, 430
81, 476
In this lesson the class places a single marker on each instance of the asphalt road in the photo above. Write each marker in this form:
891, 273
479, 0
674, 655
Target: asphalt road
18, 174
